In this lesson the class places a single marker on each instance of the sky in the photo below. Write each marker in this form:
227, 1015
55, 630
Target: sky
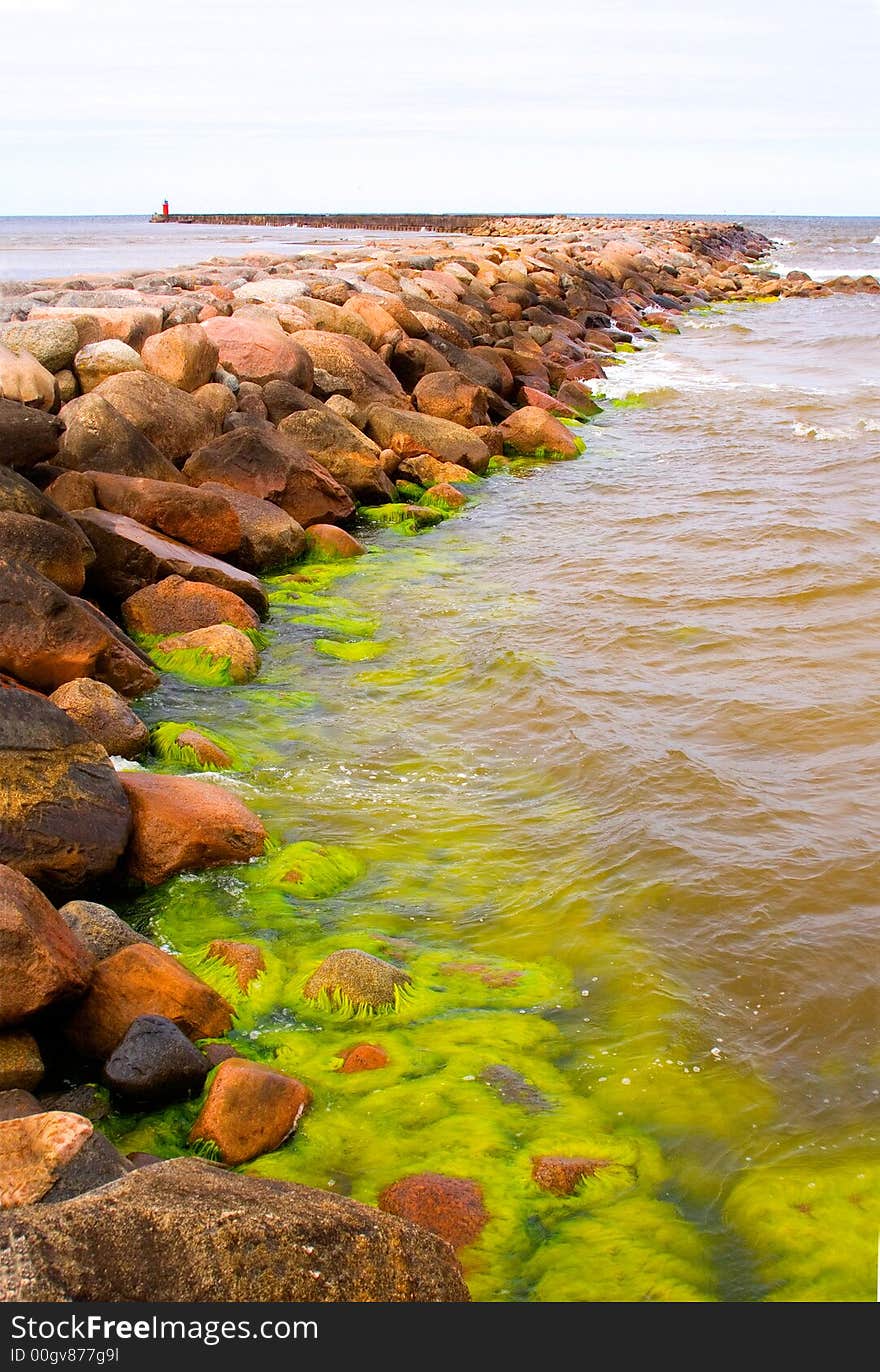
633, 106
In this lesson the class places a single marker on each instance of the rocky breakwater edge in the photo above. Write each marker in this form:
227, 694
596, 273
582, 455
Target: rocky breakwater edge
166, 443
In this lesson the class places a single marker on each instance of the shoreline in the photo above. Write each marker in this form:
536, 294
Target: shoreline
448, 366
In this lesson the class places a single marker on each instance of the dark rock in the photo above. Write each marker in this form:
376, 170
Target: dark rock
26, 435
155, 1064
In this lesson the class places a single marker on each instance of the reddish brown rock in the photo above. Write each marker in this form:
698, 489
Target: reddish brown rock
364, 1057
256, 351
129, 556
246, 960
43, 961
352, 362
201, 519
563, 1175
221, 643
97, 361
532, 432
102, 714
48, 637
183, 356
64, 816
142, 980
171, 419
181, 824
217, 399
100, 439
21, 1065
250, 1109
428, 471
445, 440
542, 401
52, 550
326, 542
34, 1150
578, 398
175, 606
445, 495
451, 1207
209, 753
270, 538
449, 395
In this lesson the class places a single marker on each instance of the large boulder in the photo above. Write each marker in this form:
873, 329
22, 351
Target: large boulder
182, 824
65, 817
184, 356
259, 461
52, 550
43, 961
97, 361
131, 324
100, 439
444, 439
53, 342
414, 358
155, 1064
235, 1238
129, 556
22, 497
27, 435
534, 432
175, 606
198, 518
250, 1109
172, 420
254, 350
366, 378
143, 980
345, 452
48, 637
23, 379
326, 315
102, 714
449, 395
270, 538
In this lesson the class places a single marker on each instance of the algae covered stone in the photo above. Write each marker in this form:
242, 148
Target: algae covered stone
350, 978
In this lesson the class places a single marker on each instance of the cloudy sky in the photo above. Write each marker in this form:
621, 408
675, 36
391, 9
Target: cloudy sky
714, 106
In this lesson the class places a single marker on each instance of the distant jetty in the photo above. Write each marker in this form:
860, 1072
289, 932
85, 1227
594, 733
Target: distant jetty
394, 223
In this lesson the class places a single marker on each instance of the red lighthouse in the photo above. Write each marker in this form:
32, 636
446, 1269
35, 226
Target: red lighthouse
164, 209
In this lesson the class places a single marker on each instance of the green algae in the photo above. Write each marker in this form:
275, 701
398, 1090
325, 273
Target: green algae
195, 665
164, 743
349, 652
412, 518
310, 871
339, 623
410, 491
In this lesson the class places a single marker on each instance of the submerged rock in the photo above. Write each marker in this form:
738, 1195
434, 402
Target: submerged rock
533, 432
325, 542
218, 644
562, 1175
451, 1207
245, 959
250, 1109
351, 977
235, 1239
364, 1057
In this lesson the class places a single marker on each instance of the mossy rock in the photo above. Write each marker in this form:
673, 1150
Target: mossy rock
353, 982
406, 518
409, 491
310, 871
349, 652
165, 743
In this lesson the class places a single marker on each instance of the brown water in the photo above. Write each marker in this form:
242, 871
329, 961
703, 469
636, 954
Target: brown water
622, 740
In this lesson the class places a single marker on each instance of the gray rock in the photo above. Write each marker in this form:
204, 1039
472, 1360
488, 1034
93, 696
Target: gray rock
99, 928
53, 342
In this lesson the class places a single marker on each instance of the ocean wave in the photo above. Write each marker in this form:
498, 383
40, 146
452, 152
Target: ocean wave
822, 435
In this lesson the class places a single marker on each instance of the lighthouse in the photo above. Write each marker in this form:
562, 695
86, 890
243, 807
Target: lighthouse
164, 209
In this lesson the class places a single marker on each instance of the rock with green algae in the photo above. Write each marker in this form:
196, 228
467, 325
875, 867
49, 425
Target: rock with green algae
364, 651
812, 1226
194, 746
224, 650
357, 982
308, 870
406, 518
409, 491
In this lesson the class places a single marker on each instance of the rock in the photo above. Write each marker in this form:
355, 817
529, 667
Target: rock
364, 1057
383, 327
43, 961
414, 358
97, 361
21, 497
98, 928
219, 1052
142, 980
66, 387
532, 432
269, 537
562, 1175
23, 379
172, 420
449, 395
27, 436
513, 1088
95, 1163
546, 402
430, 471
182, 825
342, 450
34, 1150
256, 351
444, 496
250, 1109
445, 440
85, 1099
94, 322
201, 519
218, 642
16, 1105
366, 378
102, 714
326, 314
246, 960
325, 542
275, 289
53, 342
217, 399
51, 549
250, 400
365, 981
208, 753
65, 817
21, 1066
175, 606
100, 439
184, 356
129, 556
236, 1238
154, 1065
48, 637
282, 399
578, 398
451, 1207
